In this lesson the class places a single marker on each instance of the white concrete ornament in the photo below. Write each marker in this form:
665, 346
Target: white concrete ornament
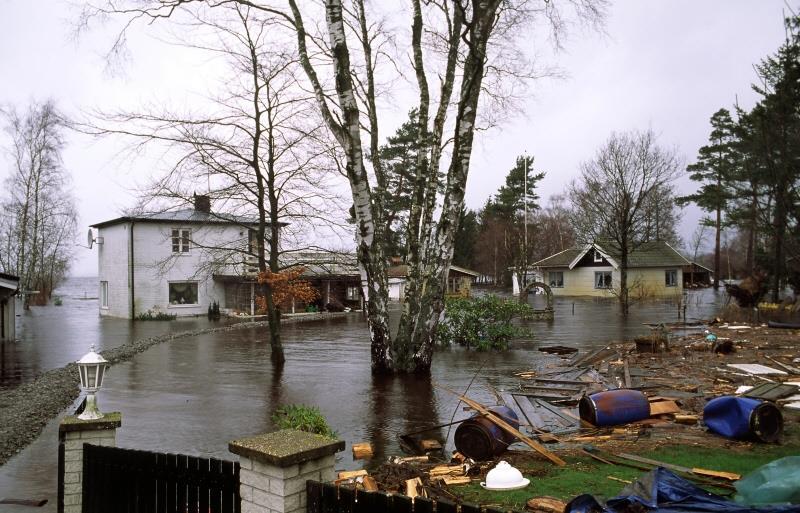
504, 477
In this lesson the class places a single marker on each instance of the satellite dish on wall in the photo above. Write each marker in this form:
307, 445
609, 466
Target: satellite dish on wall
90, 238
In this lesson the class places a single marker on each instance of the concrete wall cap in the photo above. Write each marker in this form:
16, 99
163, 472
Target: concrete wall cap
73, 423
285, 447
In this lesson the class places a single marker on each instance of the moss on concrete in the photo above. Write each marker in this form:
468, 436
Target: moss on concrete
286, 447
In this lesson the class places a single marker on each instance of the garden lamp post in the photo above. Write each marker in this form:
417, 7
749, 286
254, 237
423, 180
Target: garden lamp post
92, 368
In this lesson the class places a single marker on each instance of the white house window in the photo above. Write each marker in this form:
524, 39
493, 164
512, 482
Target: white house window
556, 279
352, 293
598, 258
183, 293
602, 279
181, 241
103, 294
671, 278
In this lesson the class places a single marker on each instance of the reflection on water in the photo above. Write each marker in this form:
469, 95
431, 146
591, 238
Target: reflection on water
193, 395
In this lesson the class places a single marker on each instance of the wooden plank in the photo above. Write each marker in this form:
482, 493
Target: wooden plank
329, 502
662, 407
401, 504
423, 505
470, 508
730, 476
215, 488
558, 414
202, 487
457, 480
627, 374
228, 486
352, 474
182, 464
347, 497
367, 502
699, 471
510, 429
313, 497
444, 506
530, 413
191, 488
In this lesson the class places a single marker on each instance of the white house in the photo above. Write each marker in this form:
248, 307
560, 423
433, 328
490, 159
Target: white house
9, 285
165, 262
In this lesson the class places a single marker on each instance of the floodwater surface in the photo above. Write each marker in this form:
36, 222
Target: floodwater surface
193, 395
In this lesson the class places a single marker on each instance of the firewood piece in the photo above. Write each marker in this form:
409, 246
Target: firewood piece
369, 484
546, 505
411, 459
686, 419
352, 474
444, 470
730, 476
413, 486
430, 445
456, 480
362, 451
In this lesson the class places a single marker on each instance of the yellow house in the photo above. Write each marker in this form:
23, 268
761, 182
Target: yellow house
655, 269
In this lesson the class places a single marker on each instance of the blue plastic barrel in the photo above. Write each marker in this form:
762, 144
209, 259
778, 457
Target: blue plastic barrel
743, 418
480, 439
614, 407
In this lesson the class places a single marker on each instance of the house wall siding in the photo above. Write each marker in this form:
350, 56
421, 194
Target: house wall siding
648, 282
112, 267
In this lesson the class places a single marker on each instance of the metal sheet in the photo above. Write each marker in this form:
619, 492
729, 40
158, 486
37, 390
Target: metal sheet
755, 368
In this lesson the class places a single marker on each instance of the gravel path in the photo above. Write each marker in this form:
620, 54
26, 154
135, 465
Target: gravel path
26, 409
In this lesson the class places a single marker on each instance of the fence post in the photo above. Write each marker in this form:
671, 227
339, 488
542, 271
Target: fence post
275, 467
72, 434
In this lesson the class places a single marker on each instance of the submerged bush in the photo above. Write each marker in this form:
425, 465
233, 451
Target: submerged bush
303, 418
150, 315
482, 323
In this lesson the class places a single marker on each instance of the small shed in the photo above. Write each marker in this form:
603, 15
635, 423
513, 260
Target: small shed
459, 281
9, 286
696, 275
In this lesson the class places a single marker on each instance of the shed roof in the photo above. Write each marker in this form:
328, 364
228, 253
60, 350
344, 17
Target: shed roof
9, 281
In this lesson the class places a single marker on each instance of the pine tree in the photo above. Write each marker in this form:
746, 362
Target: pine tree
714, 169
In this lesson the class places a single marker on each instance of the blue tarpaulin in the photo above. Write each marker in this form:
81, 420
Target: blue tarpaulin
662, 491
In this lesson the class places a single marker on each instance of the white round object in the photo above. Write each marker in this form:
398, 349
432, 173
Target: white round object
504, 477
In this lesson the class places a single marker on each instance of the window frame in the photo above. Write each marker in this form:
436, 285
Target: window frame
183, 305
104, 294
550, 279
352, 297
670, 273
181, 239
610, 280
597, 257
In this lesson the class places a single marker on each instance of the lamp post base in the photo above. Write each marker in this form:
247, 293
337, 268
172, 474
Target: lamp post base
90, 411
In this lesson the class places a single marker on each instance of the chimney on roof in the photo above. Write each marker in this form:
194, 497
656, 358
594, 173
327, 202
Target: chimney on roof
202, 203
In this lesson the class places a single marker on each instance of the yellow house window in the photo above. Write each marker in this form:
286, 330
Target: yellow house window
671, 278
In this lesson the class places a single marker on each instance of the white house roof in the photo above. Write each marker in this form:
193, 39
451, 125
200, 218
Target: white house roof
9, 281
185, 216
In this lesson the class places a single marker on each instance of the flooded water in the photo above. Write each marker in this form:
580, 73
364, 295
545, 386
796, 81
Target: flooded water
193, 395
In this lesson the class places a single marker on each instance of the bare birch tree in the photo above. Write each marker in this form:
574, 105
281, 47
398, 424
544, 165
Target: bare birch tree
610, 200
39, 220
472, 48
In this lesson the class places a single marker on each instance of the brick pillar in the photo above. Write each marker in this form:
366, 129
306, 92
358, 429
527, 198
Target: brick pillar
72, 434
275, 467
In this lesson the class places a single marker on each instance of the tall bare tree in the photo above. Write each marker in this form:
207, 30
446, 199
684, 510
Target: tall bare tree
38, 226
473, 48
611, 200
261, 151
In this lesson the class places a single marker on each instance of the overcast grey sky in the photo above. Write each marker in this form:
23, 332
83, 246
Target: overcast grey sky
663, 64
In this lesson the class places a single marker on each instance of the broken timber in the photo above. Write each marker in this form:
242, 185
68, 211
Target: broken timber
508, 428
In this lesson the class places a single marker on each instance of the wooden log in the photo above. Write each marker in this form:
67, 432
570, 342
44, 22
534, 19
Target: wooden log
370, 484
362, 451
509, 429
430, 445
446, 470
686, 419
546, 505
413, 486
351, 474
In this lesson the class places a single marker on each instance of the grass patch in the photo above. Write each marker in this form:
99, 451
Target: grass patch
303, 418
585, 475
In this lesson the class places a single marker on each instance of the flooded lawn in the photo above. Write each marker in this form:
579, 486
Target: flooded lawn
193, 395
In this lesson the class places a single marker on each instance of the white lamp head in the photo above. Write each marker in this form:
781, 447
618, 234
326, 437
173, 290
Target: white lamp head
92, 368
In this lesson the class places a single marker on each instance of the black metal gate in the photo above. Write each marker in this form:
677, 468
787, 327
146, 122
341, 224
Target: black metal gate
131, 481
